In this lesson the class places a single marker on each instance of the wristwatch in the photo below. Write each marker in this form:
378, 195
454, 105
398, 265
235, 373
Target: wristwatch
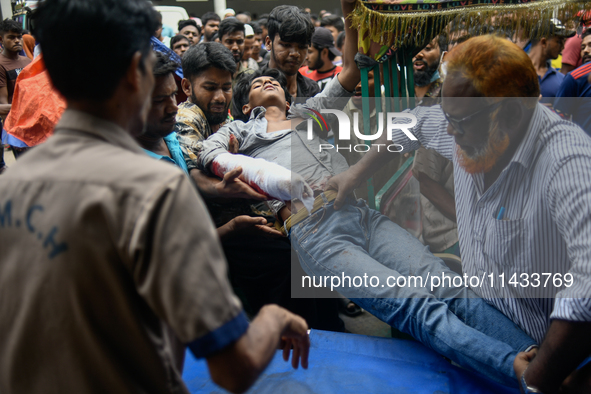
527, 389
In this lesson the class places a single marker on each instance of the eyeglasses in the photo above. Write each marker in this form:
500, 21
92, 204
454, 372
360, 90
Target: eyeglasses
457, 123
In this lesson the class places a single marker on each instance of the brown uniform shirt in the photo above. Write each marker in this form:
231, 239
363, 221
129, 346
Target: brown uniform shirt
107, 256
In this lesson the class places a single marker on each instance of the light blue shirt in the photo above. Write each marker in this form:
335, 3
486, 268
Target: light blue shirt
175, 152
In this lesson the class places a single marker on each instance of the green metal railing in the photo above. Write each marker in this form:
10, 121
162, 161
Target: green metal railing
399, 95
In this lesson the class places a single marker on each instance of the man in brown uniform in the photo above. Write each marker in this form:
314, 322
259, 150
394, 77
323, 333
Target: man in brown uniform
109, 261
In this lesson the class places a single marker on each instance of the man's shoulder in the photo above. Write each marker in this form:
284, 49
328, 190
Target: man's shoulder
307, 86
10, 64
190, 119
76, 159
560, 139
581, 72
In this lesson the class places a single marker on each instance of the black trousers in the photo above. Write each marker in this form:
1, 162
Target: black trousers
261, 272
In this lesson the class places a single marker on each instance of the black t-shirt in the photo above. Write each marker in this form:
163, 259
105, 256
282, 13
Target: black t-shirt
306, 86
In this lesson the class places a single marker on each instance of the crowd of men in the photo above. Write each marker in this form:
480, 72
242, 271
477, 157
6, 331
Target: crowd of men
124, 239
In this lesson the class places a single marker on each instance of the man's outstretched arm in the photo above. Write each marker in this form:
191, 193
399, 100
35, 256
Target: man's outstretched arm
230, 186
237, 366
429, 131
566, 345
350, 76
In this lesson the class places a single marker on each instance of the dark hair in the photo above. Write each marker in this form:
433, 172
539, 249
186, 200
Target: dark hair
314, 17
256, 28
177, 38
245, 13
215, 36
586, 33
340, 39
263, 22
105, 56
229, 26
164, 64
334, 21
442, 41
241, 89
210, 16
291, 23
200, 58
189, 22
9, 25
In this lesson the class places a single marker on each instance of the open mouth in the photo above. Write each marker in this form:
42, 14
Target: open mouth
419, 65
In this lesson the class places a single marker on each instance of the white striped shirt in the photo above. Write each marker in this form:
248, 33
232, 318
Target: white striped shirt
546, 193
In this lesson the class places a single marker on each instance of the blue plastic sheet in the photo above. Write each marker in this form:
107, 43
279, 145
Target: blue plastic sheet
349, 363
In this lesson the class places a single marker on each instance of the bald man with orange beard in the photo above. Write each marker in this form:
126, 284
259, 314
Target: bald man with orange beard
522, 187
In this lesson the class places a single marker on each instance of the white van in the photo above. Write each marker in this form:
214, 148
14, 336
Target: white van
171, 15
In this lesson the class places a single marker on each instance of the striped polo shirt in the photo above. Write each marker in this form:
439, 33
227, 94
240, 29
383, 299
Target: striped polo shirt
546, 229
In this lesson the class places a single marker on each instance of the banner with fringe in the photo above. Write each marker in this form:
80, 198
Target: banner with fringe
386, 24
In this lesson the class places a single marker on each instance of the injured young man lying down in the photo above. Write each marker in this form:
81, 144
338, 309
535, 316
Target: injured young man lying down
279, 160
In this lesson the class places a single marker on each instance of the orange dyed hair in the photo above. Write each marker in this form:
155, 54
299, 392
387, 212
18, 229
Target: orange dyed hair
496, 66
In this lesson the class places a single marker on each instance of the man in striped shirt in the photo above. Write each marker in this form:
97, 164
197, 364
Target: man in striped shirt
523, 188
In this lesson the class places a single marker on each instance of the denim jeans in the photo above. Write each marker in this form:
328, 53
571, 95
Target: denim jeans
451, 320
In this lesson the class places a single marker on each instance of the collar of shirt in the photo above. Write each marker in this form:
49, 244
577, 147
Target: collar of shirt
257, 113
108, 131
551, 71
175, 152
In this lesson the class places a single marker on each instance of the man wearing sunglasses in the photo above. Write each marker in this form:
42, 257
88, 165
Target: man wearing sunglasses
523, 186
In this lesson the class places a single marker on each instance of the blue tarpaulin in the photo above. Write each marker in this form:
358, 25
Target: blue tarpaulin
348, 363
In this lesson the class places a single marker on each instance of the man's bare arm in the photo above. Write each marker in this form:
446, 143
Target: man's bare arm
347, 181
236, 367
4, 106
244, 223
438, 196
566, 345
228, 187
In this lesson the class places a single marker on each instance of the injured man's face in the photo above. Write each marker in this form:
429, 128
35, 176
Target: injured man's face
265, 91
